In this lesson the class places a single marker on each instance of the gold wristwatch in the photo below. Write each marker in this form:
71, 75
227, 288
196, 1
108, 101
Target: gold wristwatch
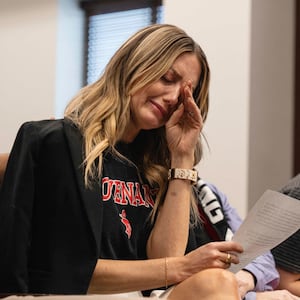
187, 174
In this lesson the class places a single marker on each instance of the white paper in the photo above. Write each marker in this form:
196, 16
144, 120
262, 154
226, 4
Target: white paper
273, 218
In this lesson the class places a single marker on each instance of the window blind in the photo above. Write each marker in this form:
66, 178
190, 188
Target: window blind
107, 31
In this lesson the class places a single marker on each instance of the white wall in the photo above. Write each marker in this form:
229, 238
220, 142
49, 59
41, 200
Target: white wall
249, 45
27, 60
271, 95
70, 53
41, 59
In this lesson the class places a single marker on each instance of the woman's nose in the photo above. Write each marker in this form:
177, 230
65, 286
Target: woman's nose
173, 95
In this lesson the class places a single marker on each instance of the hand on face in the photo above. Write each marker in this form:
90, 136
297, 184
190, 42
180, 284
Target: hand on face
185, 124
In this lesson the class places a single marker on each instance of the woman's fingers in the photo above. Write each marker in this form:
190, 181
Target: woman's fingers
190, 107
225, 252
230, 258
229, 246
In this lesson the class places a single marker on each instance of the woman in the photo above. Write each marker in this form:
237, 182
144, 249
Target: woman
88, 202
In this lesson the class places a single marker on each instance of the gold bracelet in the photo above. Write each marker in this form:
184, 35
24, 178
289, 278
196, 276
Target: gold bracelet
166, 272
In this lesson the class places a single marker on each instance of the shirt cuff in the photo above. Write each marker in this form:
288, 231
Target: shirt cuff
250, 296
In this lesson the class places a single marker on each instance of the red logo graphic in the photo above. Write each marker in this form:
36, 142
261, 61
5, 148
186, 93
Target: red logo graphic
126, 223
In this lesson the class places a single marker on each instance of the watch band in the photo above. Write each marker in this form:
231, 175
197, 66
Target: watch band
187, 174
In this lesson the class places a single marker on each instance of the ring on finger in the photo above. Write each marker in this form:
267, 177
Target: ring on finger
228, 259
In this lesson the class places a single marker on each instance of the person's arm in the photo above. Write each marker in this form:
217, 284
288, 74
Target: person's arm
182, 133
117, 276
120, 276
3, 164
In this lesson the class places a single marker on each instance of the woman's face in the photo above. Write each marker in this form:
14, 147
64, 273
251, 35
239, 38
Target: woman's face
152, 106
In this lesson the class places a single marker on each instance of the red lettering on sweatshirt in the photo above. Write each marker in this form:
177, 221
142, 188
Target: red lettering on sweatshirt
125, 193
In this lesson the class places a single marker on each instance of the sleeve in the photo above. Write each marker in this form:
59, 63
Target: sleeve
16, 204
250, 296
263, 267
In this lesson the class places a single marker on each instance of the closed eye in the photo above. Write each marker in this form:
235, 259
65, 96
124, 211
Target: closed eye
167, 79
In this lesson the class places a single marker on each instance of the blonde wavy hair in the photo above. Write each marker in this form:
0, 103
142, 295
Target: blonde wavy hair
101, 110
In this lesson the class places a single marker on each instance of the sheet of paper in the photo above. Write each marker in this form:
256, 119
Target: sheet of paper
273, 218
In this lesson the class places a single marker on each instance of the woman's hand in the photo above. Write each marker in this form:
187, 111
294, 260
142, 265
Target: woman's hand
245, 282
214, 255
185, 124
